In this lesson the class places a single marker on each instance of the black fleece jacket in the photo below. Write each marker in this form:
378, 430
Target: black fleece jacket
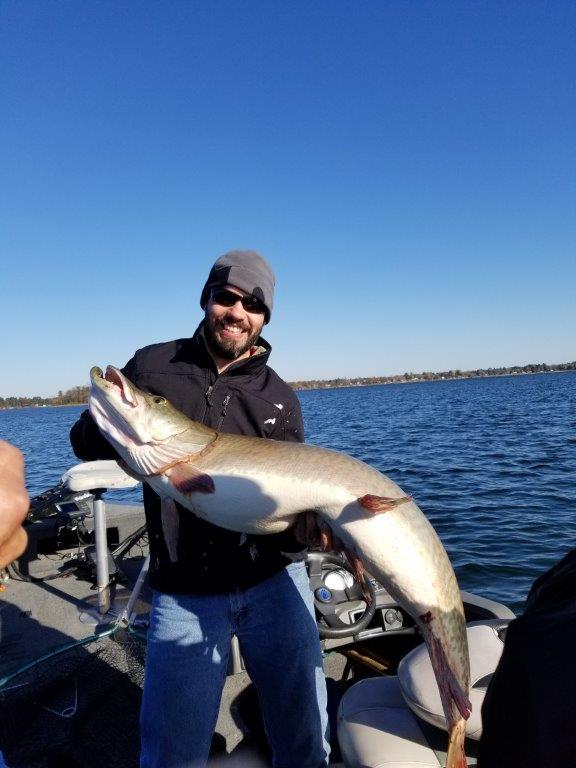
249, 398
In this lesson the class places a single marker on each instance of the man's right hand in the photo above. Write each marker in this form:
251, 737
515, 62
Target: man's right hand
14, 504
315, 533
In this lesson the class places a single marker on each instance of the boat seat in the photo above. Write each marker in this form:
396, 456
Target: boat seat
92, 475
398, 722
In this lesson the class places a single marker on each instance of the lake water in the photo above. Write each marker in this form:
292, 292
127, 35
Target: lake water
491, 462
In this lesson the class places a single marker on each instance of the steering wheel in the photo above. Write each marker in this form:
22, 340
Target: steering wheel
327, 599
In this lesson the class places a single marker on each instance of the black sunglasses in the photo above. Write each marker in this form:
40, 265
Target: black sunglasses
226, 298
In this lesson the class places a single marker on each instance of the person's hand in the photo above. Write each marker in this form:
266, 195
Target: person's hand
14, 504
315, 532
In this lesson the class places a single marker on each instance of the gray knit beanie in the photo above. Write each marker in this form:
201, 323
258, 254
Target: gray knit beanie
246, 270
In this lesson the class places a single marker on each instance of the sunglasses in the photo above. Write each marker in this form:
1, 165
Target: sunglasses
225, 298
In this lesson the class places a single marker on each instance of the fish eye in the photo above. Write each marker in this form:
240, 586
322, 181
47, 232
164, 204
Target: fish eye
159, 400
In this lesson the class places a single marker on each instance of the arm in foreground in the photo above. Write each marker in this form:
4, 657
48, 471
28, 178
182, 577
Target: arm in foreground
14, 503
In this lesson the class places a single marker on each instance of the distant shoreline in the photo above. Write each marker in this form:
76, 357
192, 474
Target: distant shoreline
43, 405
79, 395
410, 378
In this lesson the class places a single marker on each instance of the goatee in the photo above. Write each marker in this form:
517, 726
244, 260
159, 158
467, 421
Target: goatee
228, 350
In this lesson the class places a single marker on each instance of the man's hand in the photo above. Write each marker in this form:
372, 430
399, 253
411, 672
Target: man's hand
315, 532
14, 504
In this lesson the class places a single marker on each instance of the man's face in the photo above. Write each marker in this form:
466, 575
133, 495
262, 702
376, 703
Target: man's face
231, 331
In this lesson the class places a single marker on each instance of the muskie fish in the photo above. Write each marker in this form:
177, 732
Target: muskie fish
259, 486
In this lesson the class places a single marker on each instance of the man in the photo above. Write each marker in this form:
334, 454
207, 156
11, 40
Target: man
14, 503
209, 583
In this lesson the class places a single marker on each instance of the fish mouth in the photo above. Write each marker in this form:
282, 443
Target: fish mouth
115, 384
115, 406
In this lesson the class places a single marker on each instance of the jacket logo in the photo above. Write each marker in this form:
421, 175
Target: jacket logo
270, 421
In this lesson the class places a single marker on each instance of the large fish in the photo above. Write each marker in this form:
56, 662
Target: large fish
259, 486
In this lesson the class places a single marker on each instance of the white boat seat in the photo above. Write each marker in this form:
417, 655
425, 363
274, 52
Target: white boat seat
396, 722
377, 730
93, 475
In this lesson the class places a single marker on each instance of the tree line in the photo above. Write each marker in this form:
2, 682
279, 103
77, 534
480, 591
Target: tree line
79, 395
433, 376
74, 396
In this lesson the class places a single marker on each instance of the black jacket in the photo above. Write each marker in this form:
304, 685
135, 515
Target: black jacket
249, 398
528, 711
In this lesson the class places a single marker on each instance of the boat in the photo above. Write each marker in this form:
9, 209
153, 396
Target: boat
73, 614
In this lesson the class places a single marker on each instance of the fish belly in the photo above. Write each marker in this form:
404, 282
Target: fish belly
256, 504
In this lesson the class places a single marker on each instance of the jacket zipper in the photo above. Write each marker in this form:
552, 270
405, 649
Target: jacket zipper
208, 398
224, 407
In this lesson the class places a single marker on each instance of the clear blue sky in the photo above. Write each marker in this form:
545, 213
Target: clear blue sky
408, 167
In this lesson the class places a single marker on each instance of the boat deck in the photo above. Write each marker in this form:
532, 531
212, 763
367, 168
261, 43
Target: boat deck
40, 617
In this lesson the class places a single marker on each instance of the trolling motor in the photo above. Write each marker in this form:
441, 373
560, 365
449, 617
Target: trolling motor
60, 502
56, 521
71, 514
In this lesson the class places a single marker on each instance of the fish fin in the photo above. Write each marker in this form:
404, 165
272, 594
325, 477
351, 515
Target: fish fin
187, 478
359, 572
378, 504
456, 757
125, 467
170, 525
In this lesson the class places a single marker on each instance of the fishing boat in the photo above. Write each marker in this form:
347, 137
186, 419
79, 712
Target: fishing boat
74, 612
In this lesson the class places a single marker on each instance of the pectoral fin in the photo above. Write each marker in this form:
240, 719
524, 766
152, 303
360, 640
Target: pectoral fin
187, 479
378, 504
359, 572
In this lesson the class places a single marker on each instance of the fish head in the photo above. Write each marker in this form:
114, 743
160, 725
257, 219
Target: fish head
127, 415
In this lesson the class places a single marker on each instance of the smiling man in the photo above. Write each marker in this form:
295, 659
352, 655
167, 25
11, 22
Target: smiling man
236, 313
209, 583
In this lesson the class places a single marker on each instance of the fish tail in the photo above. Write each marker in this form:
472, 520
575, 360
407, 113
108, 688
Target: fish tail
455, 702
454, 698
456, 757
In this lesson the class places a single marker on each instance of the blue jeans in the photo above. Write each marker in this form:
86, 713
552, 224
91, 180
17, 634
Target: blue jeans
187, 661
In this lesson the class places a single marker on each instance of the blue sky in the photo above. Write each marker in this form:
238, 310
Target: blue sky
408, 167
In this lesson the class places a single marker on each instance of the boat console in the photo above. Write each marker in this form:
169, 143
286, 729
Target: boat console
347, 616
